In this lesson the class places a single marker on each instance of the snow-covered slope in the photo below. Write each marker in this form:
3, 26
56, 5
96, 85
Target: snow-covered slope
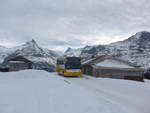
69, 50
73, 52
135, 49
33, 91
41, 58
3, 53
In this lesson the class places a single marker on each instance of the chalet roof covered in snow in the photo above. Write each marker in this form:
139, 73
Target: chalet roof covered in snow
16, 62
109, 61
113, 63
19, 59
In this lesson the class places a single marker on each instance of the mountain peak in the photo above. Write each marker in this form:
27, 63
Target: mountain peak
32, 42
141, 34
69, 49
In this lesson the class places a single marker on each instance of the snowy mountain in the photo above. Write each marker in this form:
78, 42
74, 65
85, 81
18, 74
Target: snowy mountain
135, 49
4, 53
41, 58
73, 52
69, 50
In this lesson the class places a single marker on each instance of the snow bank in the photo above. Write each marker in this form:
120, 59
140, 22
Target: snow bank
42, 92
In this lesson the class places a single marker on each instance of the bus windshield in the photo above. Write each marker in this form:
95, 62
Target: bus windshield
73, 63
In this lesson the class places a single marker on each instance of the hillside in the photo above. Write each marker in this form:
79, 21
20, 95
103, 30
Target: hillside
4, 53
135, 49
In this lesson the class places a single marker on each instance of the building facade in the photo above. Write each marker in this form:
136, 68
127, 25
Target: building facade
111, 67
19, 63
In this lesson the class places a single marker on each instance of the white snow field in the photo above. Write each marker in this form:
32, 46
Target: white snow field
33, 91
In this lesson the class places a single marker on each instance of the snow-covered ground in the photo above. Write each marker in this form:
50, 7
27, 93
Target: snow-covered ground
123, 95
33, 91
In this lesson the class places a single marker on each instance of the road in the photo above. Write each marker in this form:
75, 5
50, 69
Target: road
117, 96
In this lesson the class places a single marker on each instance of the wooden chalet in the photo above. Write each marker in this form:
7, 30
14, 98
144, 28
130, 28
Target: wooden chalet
112, 67
19, 63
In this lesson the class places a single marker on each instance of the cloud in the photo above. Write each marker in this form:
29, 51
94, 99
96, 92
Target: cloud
58, 24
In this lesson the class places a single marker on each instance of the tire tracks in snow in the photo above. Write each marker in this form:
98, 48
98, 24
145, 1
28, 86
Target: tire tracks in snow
91, 85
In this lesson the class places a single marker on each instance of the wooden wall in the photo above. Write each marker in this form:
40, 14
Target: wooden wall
114, 73
119, 74
18, 66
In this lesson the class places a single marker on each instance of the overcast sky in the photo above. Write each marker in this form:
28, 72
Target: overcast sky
58, 24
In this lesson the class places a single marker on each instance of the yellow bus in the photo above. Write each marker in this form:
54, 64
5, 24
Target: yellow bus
69, 66
60, 66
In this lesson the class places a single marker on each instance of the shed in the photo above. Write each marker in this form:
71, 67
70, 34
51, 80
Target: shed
112, 67
19, 63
